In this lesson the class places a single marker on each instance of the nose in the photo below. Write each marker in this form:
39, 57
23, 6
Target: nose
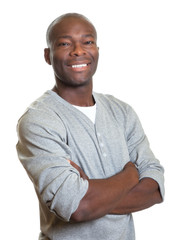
77, 50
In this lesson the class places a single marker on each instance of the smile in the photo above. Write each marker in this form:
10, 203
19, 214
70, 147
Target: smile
80, 65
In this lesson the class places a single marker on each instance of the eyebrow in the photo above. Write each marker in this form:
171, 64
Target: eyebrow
84, 35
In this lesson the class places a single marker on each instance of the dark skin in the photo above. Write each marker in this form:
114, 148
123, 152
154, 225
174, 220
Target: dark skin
73, 53
72, 43
109, 196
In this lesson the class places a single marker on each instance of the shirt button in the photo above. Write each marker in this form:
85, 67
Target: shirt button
101, 144
104, 155
98, 134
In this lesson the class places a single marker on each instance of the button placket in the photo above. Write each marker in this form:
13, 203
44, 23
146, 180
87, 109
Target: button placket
101, 144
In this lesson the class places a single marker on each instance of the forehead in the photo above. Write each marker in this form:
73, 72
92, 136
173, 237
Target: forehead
71, 26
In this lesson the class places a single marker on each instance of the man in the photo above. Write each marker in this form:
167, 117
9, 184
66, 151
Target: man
86, 153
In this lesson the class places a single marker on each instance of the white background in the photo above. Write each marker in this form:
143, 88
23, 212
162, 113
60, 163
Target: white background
139, 64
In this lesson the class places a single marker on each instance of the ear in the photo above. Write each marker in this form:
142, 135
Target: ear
47, 55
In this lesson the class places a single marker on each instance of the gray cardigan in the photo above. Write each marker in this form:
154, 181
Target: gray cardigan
52, 131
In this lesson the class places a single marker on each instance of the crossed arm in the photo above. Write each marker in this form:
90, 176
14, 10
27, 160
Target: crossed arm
122, 193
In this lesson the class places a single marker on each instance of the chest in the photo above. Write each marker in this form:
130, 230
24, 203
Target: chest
100, 149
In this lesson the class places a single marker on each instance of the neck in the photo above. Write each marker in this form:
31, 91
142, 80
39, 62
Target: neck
79, 96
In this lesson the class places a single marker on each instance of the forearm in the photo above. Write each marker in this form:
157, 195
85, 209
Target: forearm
104, 194
144, 195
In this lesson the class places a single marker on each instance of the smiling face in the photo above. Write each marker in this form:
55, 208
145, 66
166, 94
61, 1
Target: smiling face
72, 51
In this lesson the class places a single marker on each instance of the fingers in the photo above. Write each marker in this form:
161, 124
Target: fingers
82, 174
131, 169
129, 164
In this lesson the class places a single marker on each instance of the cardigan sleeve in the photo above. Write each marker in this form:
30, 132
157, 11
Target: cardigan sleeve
141, 153
43, 151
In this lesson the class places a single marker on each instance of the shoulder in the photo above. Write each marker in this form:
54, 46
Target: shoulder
122, 111
41, 114
113, 103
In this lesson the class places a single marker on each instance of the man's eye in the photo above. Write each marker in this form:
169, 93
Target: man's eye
89, 42
63, 44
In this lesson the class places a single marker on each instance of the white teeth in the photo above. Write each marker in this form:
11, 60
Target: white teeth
79, 66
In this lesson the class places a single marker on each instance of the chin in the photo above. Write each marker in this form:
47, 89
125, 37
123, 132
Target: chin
79, 82
74, 82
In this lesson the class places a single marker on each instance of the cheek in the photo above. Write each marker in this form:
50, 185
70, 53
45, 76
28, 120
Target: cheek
60, 69
57, 64
96, 57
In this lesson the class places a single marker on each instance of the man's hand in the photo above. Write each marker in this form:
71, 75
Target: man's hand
143, 195
119, 194
103, 195
82, 174
130, 167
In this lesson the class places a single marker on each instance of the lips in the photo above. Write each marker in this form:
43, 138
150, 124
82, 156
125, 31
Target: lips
79, 65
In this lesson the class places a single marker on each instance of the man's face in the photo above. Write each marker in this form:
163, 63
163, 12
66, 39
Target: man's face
73, 52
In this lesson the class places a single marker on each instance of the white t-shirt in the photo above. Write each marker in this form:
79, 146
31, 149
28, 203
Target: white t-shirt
90, 111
